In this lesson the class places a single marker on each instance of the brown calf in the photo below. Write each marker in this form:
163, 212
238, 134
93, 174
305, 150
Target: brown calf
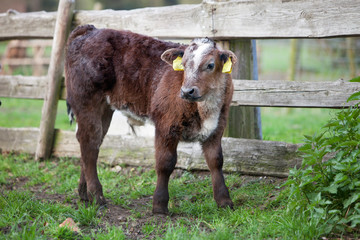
108, 69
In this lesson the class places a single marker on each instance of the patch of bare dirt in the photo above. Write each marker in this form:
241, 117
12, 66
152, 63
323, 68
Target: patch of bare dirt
5, 230
132, 226
15, 183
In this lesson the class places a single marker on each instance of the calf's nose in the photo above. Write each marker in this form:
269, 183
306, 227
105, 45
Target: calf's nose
191, 93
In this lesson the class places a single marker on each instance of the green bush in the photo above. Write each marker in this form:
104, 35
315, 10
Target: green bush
326, 188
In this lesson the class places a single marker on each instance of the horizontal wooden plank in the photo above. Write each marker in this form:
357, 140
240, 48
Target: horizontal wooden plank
181, 21
18, 139
221, 20
235, 19
26, 61
23, 86
27, 25
245, 156
34, 43
285, 19
293, 94
247, 92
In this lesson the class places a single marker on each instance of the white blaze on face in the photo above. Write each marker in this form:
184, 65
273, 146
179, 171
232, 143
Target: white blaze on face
202, 50
204, 47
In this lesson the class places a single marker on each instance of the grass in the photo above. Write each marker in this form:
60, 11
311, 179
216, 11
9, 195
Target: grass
27, 113
290, 125
35, 197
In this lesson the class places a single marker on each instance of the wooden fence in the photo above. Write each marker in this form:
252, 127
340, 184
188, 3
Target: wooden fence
16, 55
225, 21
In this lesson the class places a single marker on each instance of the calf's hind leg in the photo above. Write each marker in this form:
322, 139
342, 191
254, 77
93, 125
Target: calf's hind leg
92, 127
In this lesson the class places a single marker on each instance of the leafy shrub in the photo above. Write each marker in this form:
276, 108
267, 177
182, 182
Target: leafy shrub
326, 188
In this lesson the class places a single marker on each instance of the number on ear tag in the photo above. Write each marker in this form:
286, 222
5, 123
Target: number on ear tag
177, 64
227, 68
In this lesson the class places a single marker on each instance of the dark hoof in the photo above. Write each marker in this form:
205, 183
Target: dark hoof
160, 211
226, 204
98, 206
99, 199
103, 207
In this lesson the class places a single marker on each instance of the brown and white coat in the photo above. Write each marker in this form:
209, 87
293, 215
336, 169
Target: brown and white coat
107, 69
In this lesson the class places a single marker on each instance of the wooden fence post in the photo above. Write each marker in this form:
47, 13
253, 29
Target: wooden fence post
55, 73
244, 122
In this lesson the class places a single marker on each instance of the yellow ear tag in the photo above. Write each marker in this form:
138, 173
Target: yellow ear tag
227, 68
177, 64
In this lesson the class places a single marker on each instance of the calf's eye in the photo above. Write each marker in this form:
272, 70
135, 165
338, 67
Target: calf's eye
210, 66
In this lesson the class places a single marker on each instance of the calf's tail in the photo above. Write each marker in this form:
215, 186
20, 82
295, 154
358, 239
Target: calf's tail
70, 113
78, 31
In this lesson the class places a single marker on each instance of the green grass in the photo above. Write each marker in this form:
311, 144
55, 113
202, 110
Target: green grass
27, 113
3, 45
290, 125
28, 212
274, 57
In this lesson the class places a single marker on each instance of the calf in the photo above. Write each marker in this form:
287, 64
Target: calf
107, 69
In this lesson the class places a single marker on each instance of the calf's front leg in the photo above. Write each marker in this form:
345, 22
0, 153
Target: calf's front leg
214, 158
166, 157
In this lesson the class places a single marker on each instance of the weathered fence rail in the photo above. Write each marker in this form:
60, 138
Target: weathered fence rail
268, 93
293, 94
248, 156
16, 55
221, 20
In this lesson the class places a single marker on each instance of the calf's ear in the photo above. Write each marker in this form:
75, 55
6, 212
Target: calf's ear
171, 54
228, 59
225, 55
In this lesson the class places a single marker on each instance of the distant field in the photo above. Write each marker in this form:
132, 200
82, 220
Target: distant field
27, 113
318, 60
290, 125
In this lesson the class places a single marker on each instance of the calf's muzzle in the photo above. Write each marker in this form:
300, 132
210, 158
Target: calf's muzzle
190, 94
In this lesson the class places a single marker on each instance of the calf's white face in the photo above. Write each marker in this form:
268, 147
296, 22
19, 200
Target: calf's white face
202, 63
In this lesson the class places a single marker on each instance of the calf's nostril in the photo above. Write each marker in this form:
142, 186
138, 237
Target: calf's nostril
189, 93
187, 90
